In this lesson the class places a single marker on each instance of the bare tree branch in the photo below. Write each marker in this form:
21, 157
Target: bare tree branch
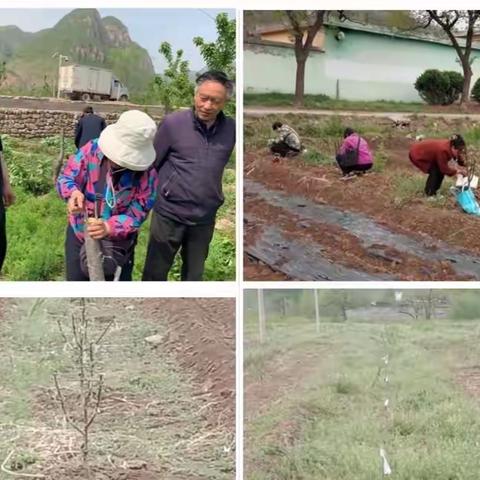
74, 331
84, 358
62, 333
62, 404
409, 314
99, 399
105, 331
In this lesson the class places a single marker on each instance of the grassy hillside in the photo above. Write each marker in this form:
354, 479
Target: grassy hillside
11, 38
315, 402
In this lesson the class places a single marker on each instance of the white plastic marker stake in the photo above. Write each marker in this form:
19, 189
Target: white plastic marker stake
386, 467
386, 403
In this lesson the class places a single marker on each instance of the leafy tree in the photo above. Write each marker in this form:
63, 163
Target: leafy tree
174, 88
400, 19
453, 22
220, 54
476, 90
3, 72
465, 305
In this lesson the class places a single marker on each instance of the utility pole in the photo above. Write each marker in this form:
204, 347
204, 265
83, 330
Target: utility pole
317, 313
60, 58
261, 316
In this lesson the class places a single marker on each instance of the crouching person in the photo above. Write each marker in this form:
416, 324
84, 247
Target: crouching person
354, 156
287, 143
109, 186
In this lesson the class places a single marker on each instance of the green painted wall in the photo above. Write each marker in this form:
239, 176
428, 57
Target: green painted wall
366, 66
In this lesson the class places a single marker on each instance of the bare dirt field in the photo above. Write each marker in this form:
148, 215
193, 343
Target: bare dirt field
168, 401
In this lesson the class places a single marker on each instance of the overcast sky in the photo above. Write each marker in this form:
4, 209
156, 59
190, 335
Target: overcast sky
147, 27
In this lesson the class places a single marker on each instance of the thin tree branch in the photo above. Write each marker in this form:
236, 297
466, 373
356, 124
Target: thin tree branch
448, 30
74, 331
62, 404
105, 331
99, 399
60, 328
294, 22
313, 29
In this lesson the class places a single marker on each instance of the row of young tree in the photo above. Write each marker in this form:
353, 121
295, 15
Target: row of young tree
304, 26
334, 305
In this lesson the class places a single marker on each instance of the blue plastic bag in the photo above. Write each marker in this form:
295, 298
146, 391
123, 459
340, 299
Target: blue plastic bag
466, 199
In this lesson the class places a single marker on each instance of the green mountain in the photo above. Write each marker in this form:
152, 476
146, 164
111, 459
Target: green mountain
11, 37
85, 38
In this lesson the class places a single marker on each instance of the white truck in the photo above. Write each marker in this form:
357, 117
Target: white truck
90, 83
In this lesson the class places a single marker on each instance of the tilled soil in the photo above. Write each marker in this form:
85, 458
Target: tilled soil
201, 334
370, 195
168, 404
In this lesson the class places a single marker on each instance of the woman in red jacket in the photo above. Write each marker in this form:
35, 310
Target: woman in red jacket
433, 156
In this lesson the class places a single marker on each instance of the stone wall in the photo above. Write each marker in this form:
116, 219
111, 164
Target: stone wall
29, 123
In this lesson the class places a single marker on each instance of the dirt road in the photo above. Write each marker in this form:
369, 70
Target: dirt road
56, 104
262, 111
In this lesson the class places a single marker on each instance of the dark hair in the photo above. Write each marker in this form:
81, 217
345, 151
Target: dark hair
276, 125
88, 109
347, 132
216, 76
457, 141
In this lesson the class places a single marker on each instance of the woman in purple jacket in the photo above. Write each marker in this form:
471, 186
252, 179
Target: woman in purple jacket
354, 156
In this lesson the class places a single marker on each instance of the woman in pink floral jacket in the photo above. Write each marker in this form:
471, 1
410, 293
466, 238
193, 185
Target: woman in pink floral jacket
111, 182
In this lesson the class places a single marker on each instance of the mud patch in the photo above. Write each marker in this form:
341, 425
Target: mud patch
469, 379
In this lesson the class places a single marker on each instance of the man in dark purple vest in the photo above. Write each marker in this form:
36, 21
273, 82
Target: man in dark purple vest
193, 147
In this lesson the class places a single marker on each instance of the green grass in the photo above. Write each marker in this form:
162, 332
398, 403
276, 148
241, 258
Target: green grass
472, 136
409, 188
380, 158
314, 157
323, 135
333, 423
36, 224
324, 102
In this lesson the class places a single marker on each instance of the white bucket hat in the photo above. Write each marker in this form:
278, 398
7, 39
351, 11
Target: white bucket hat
129, 141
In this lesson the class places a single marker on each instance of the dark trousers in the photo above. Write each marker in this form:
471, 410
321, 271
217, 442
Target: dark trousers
434, 180
352, 168
72, 261
284, 150
3, 234
166, 238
